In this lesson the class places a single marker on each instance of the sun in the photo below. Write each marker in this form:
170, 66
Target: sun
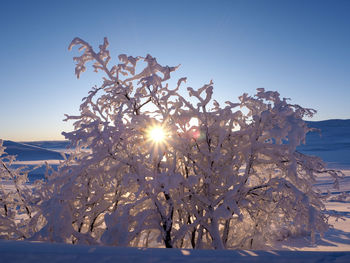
157, 134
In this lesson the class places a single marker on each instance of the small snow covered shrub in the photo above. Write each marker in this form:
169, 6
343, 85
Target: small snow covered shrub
154, 169
18, 201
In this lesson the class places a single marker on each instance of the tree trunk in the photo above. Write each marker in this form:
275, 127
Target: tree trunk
215, 234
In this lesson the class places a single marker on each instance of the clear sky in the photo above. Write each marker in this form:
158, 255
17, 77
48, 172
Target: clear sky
299, 48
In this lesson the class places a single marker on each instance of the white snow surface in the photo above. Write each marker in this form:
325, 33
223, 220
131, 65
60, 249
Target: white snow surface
12, 251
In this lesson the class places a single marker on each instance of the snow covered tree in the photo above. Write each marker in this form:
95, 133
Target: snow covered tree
18, 201
154, 169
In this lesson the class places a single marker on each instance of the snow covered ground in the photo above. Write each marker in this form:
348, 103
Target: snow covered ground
333, 146
331, 142
11, 251
336, 238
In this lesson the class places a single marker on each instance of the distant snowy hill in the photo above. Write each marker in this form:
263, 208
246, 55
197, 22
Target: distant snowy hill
51, 145
32, 154
28, 152
331, 142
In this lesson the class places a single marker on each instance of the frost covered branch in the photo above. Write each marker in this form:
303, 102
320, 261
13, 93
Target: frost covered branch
220, 178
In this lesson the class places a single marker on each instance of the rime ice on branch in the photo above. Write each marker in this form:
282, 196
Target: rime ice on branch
221, 178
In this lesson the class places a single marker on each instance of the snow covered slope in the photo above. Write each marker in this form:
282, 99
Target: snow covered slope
27, 152
331, 143
32, 154
51, 145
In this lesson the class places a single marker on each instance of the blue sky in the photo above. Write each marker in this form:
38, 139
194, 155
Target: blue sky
299, 48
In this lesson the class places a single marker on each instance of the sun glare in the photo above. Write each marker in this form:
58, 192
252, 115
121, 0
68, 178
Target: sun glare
157, 134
